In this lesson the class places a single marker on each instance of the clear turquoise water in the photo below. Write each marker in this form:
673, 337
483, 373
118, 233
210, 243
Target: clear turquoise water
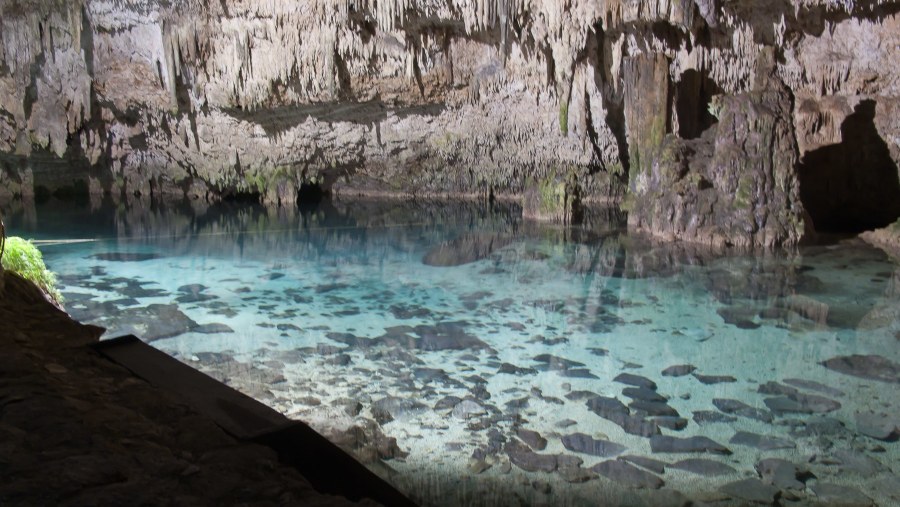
453, 327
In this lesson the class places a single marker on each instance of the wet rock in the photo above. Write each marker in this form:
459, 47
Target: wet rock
447, 403
606, 407
654, 465
532, 438
566, 423
580, 395
679, 370
714, 379
511, 369
477, 466
636, 425
391, 408
801, 404
780, 473
761, 442
624, 473
213, 328
878, 425
613, 410
653, 408
710, 417
403, 312
704, 467
577, 373
872, 367
368, 442
554, 363
583, 443
740, 408
642, 393
888, 487
635, 380
845, 496
152, 322
672, 423
666, 444
194, 298
858, 463
810, 385
575, 474
446, 336
526, 459
751, 490
468, 408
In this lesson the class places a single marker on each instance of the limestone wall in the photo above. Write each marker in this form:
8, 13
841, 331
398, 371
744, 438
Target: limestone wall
416, 97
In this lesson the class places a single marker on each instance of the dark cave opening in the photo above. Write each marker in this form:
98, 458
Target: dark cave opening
852, 186
309, 195
692, 96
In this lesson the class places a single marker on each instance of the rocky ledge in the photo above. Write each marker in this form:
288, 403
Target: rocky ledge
77, 429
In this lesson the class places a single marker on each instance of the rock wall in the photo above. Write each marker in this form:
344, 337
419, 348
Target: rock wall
564, 101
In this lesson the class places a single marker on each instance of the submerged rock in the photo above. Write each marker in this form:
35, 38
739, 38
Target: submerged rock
740, 408
866, 366
391, 408
878, 425
761, 442
651, 464
532, 438
526, 459
780, 473
709, 417
621, 472
705, 467
751, 490
668, 444
845, 496
679, 370
635, 380
583, 443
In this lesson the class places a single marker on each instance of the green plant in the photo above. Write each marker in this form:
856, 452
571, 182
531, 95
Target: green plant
22, 257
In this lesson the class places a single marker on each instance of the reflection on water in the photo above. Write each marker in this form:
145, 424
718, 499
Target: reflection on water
475, 359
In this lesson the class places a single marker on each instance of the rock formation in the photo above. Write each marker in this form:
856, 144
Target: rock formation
722, 122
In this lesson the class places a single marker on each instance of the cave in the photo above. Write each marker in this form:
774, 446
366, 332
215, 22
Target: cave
693, 93
851, 186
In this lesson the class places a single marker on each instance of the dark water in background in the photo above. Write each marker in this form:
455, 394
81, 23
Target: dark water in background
514, 363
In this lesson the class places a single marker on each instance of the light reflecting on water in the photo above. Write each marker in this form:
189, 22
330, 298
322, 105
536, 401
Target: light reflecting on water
473, 358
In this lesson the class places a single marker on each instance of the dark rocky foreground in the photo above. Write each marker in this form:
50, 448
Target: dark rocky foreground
76, 429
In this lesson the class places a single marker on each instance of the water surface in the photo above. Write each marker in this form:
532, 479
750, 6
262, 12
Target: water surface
475, 359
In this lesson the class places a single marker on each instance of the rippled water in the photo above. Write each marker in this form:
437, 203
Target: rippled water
472, 358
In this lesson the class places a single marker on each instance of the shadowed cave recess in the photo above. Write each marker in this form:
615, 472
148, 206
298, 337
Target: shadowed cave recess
444, 228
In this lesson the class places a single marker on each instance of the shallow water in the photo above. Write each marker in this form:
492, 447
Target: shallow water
459, 331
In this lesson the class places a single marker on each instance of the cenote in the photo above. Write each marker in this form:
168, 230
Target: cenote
473, 358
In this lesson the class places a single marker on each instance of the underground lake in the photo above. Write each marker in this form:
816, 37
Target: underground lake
473, 358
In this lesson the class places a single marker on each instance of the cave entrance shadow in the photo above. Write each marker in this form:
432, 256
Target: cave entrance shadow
692, 95
852, 186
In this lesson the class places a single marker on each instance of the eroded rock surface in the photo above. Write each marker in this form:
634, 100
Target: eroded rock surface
710, 116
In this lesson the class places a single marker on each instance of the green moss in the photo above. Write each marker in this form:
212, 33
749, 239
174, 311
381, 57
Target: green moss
553, 196
22, 257
564, 117
743, 192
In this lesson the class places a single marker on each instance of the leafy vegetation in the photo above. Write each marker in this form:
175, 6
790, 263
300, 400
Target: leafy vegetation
22, 257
